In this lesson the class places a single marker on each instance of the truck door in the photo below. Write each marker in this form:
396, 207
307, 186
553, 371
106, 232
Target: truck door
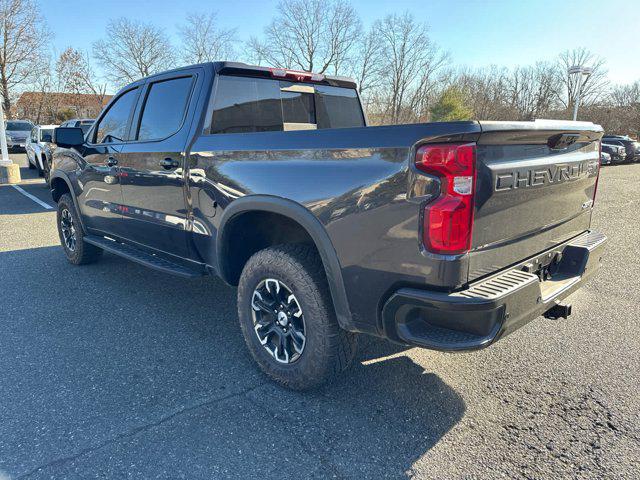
152, 164
101, 197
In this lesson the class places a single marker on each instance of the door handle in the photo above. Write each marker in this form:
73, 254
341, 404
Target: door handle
112, 161
169, 163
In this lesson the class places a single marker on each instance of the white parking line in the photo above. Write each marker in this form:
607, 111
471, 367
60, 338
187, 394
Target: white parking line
33, 197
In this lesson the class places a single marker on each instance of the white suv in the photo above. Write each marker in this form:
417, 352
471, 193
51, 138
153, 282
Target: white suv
38, 149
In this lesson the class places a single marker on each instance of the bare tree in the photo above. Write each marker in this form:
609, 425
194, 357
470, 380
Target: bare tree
366, 65
75, 76
595, 85
203, 40
626, 95
411, 61
132, 50
43, 84
23, 33
533, 90
485, 90
309, 35
623, 109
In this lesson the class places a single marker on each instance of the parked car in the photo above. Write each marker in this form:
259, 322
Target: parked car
630, 145
617, 152
17, 132
446, 236
605, 158
39, 150
83, 123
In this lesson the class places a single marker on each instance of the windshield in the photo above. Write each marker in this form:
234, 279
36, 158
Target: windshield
46, 131
19, 126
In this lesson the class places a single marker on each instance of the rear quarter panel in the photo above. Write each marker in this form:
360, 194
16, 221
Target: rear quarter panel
354, 181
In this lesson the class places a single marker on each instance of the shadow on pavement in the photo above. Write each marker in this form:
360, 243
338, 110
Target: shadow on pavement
112, 370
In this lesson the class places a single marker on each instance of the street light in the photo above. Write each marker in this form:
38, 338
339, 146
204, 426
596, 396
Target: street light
580, 72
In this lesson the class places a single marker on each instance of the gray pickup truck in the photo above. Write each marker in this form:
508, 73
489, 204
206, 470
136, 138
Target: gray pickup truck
446, 236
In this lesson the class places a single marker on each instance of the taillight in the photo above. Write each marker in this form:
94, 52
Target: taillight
296, 75
448, 220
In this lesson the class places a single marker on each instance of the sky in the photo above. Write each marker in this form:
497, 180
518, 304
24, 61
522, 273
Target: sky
475, 33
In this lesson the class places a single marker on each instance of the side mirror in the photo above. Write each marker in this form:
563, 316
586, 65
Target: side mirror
46, 137
68, 137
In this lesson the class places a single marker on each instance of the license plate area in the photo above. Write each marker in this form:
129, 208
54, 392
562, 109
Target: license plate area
545, 266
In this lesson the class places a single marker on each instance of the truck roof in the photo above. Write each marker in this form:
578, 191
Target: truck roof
244, 69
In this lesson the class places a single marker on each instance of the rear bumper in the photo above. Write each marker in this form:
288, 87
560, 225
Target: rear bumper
493, 307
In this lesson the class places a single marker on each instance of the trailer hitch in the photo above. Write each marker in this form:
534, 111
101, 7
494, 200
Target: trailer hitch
558, 311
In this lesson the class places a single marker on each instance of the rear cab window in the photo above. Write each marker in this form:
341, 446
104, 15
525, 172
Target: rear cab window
246, 104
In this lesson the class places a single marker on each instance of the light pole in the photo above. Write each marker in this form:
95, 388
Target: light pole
580, 72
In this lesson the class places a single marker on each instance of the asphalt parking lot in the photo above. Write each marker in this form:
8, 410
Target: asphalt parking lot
115, 371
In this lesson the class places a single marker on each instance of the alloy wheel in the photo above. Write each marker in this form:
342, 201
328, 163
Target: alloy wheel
278, 320
68, 229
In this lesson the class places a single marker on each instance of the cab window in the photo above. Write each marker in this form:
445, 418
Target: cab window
112, 127
164, 108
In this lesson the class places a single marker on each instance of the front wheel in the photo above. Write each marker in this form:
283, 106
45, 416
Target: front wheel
71, 236
288, 319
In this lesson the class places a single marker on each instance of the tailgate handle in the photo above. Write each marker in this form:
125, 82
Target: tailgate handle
562, 140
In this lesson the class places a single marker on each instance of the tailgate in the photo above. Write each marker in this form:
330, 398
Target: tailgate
535, 187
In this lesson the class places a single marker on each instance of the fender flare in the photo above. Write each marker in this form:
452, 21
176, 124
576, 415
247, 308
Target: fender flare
316, 231
61, 174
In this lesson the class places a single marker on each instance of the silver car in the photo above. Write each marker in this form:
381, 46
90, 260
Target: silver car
17, 132
38, 149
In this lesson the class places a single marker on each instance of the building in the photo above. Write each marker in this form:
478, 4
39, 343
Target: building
55, 107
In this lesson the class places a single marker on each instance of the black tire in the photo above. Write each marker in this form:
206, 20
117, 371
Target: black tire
328, 350
77, 252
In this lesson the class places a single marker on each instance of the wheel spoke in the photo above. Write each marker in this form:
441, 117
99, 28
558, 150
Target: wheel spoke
282, 348
297, 339
259, 304
265, 307
263, 332
273, 286
294, 307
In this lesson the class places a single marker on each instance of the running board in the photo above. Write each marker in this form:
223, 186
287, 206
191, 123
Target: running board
136, 255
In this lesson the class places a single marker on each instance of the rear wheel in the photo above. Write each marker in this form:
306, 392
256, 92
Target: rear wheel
288, 320
71, 236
